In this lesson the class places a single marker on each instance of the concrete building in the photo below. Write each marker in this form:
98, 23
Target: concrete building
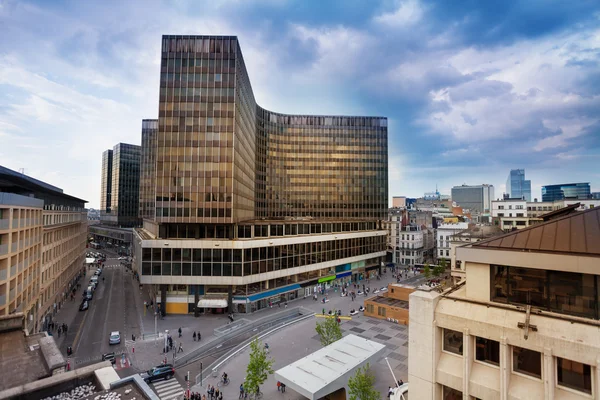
398, 201
522, 325
477, 198
474, 233
562, 191
251, 206
391, 305
509, 208
516, 185
444, 233
409, 243
120, 190
43, 235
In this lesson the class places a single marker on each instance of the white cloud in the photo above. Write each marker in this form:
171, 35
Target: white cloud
408, 13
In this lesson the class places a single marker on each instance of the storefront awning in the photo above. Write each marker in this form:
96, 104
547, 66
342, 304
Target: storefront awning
273, 292
90, 260
212, 303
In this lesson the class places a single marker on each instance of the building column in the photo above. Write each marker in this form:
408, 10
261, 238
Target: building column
163, 299
504, 368
596, 377
548, 371
467, 362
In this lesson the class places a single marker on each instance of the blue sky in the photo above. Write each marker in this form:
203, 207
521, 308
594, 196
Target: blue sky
471, 88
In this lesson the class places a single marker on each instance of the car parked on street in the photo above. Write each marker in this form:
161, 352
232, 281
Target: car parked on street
115, 338
84, 305
109, 357
164, 371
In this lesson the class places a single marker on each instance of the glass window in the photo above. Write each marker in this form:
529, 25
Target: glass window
499, 277
572, 293
527, 286
451, 394
487, 350
528, 362
453, 341
574, 375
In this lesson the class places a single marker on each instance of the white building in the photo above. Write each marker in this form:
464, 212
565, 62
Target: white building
443, 234
408, 242
523, 325
509, 208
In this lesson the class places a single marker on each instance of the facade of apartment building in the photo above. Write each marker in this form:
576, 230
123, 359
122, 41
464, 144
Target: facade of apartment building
248, 206
474, 233
409, 242
443, 235
43, 234
523, 324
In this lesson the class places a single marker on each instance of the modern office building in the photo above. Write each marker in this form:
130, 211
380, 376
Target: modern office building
476, 198
252, 206
147, 166
120, 192
517, 187
42, 247
522, 325
566, 191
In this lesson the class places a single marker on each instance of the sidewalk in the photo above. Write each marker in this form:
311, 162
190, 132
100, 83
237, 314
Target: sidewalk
68, 313
149, 352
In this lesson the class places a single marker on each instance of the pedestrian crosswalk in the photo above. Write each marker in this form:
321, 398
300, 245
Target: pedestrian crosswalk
169, 389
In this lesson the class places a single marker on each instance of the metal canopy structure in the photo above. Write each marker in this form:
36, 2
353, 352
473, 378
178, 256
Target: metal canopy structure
90, 260
212, 301
327, 370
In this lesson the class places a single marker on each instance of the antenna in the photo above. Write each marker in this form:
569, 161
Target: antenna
22, 171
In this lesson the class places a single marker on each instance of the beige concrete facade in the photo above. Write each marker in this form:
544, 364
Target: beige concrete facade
20, 246
449, 334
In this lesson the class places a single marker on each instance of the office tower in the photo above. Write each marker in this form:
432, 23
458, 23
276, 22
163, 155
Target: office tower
476, 198
250, 204
121, 168
106, 183
43, 235
566, 191
147, 165
516, 185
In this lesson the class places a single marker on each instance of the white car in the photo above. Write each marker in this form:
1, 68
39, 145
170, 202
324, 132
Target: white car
376, 291
123, 258
115, 338
383, 289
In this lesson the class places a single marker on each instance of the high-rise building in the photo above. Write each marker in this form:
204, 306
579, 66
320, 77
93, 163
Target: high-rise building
477, 198
566, 191
246, 206
120, 194
147, 166
516, 185
43, 235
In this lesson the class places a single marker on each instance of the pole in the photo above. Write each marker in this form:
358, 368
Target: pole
155, 327
390, 367
188, 385
201, 374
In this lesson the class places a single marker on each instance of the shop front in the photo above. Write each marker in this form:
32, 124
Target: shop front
267, 299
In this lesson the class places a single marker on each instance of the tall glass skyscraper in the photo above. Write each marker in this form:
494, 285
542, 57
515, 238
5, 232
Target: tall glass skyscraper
566, 190
238, 199
516, 185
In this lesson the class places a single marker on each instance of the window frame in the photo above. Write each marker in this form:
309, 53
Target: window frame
524, 374
571, 389
484, 362
444, 343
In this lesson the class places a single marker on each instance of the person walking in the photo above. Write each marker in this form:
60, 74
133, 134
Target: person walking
208, 391
180, 349
283, 388
199, 336
241, 391
179, 331
194, 336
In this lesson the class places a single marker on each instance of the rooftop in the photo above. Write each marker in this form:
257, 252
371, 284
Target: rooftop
574, 234
325, 370
388, 301
479, 231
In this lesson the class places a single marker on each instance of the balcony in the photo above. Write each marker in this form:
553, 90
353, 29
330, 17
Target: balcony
3, 249
4, 224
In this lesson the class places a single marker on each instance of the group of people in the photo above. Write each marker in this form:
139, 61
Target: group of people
213, 393
62, 328
280, 387
391, 389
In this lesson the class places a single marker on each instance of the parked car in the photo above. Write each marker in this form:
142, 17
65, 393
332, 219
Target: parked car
115, 338
165, 371
122, 258
109, 357
84, 305
383, 289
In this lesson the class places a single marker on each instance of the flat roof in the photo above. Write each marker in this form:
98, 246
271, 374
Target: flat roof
20, 362
388, 301
328, 369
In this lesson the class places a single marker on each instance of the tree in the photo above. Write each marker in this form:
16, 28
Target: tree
329, 330
361, 385
438, 270
427, 271
259, 367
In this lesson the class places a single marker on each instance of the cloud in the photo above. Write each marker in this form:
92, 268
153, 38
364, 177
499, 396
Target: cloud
409, 12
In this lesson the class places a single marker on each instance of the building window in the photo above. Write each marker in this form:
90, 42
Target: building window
370, 308
501, 214
487, 350
574, 375
528, 362
451, 394
453, 341
500, 207
447, 253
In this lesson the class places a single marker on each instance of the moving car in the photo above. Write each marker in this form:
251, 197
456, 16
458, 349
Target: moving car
122, 258
109, 357
165, 371
115, 338
84, 305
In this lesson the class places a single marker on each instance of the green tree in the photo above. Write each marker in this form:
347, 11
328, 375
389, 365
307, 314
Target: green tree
427, 271
329, 330
259, 367
361, 385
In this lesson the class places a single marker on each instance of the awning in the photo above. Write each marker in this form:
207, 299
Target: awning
212, 303
273, 292
90, 260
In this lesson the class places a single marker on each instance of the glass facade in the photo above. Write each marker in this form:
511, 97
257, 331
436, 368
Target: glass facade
562, 292
516, 185
106, 179
126, 184
147, 164
568, 190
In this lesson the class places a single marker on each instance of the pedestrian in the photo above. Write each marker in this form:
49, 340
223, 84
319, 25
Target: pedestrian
221, 396
217, 392
286, 304
66, 328
278, 386
203, 397
283, 388
194, 336
179, 330
241, 391
199, 336
180, 350
208, 391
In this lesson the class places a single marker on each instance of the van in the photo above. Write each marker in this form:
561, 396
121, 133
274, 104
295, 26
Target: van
94, 279
88, 293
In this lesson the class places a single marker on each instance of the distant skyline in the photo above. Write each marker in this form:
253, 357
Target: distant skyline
471, 89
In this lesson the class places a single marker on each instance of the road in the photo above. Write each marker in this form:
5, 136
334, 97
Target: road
112, 309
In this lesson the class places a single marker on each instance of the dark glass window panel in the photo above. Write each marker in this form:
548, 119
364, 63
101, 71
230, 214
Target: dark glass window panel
156, 254
166, 256
196, 269
206, 269
147, 254
176, 254
237, 255
247, 268
216, 269
574, 375
453, 341
146, 268
499, 283
227, 269
166, 268
572, 293
237, 269
487, 350
186, 269
528, 362
227, 254
527, 286
176, 269
197, 254
186, 255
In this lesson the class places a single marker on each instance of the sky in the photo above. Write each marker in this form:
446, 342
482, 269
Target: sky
471, 89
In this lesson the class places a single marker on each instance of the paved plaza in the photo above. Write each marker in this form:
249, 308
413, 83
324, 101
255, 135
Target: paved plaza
292, 343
